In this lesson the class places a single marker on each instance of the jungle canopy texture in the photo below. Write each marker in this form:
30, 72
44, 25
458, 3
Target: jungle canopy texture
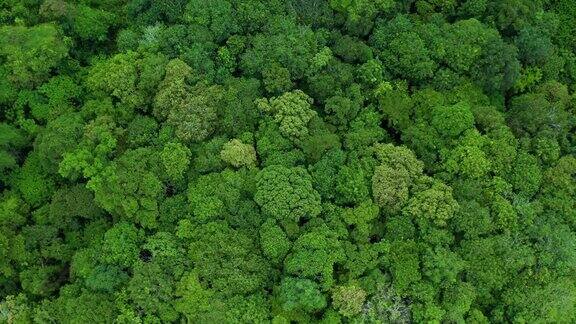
287, 161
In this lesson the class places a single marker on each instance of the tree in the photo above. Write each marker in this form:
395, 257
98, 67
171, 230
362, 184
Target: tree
436, 204
361, 217
534, 46
285, 43
121, 245
31, 53
341, 110
275, 244
92, 24
148, 12
513, 14
452, 121
323, 172
228, 259
226, 195
404, 264
142, 131
238, 154
196, 119
527, 174
392, 179
352, 50
93, 152
550, 301
176, 158
300, 294
475, 56
286, 194
486, 271
386, 305
403, 50
191, 110
469, 158
276, 79
11, 140
129, 77
351, 185
557, 193
361, 13
206, 156
348, 300
458, 300
314, 255
292, 112
106, 278
241, 93
365, 130
16, 309
300, 161
58, 138
70, 205
51, 100
539, 111
33, 182
390, 188
193, 299
77, 304
129, 187
218, 16
371, 73
152, 290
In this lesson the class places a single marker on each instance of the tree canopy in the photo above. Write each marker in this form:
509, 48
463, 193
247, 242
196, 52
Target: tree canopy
297, 161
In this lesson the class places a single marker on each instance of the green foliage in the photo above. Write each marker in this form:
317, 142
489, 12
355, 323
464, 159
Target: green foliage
92, 24
191, 110
129, 187
93, 152
276, 79
30, 53
405, 265
120, 245
35, 185
300, 161
348, 300
238, 154
452, 121
286, 43
292, 112
361, 9
57, 139
148, 11
150, 289
469, 158
176, 158
351, 185
225, 195
217, 16
275, 244
227, 259
314, 255
392, 179
11, 139
409, 57
386, 305
435, 204
300, 294
286, 194
193, 299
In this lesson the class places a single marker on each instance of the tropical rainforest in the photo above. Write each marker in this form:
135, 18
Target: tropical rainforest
287, 161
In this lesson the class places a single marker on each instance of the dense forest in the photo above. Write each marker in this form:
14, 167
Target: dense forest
287, 161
